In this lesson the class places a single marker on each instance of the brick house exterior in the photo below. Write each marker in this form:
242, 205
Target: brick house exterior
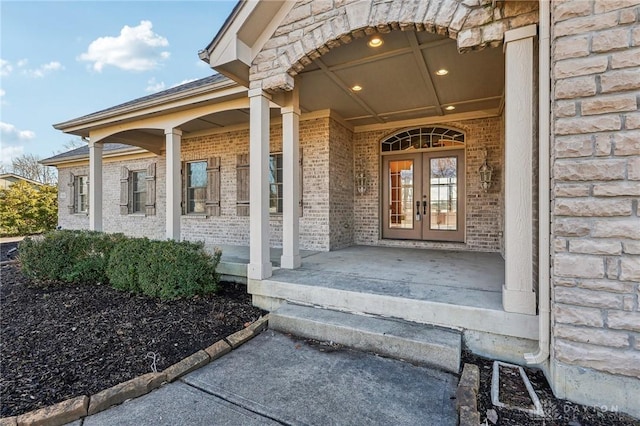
580, 245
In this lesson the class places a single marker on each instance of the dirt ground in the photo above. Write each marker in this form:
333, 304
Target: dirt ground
61, 341
556, 411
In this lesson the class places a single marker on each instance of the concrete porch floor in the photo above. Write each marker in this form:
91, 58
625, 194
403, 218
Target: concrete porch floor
455, 289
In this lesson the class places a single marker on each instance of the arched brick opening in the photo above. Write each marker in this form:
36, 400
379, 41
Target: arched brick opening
314, 28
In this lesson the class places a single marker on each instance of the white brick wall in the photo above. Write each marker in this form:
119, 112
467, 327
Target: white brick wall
596, 184
137, 225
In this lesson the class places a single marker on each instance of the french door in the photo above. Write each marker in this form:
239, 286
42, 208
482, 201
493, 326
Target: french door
423, 196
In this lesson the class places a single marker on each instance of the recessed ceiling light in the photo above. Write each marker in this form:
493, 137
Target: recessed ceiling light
375, 41
356, 88
442, 71
450, 108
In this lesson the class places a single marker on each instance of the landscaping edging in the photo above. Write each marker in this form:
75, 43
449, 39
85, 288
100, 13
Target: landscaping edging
76, 408
467, 396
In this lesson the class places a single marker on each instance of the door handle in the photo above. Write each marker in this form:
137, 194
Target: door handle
424, 208
417, 210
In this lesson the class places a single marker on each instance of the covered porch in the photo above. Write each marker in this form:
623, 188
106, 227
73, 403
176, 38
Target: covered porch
461, 290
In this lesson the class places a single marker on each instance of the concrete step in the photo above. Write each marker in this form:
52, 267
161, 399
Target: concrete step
405, 340
446, 307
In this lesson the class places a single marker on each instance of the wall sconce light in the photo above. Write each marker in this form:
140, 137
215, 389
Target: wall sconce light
361, 182
485, 172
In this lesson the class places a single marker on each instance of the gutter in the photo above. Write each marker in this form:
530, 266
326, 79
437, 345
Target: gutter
544, 193
133, 106
54, 162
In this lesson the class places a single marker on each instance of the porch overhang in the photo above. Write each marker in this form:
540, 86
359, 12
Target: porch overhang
242, 37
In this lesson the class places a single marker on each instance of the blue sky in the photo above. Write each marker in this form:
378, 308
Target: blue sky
63, 59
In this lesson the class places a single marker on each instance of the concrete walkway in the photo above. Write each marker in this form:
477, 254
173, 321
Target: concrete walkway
274, 379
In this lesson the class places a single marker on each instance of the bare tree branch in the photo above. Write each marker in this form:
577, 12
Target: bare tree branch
28, 166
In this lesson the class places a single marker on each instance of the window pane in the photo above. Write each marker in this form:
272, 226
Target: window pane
197, 174
82, 194
196, 187
401, 194
139, 181
196, 200
275, 183
444, 193
139, 191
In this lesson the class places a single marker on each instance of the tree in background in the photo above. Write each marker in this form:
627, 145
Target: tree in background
27, 209
28, 166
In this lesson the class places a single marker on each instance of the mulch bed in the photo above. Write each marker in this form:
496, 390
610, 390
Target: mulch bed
557, 411
61, 341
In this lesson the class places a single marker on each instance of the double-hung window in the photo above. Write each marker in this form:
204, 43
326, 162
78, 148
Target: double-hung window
138, 191
81, 196
196, 187
276, 179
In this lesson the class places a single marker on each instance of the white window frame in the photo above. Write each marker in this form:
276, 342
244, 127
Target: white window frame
133, 191
81, 186
188, 198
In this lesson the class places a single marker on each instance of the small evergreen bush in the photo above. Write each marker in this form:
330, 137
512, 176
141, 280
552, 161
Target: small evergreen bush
164, 269
68, 256
124, 262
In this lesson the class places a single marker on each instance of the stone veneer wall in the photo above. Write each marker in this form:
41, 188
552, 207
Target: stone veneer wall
312, 28
484, 211
595, 63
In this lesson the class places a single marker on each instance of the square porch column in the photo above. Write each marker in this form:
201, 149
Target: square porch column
291, 182
259, 259
95, 186
173, 141
517, 293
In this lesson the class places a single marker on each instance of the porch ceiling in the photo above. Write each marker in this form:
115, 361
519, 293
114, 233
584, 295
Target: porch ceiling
399, 80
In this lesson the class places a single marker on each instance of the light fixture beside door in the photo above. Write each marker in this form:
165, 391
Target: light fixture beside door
485, 172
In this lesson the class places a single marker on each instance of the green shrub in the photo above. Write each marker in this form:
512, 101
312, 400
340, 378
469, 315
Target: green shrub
124, 262
68, 256
164, 269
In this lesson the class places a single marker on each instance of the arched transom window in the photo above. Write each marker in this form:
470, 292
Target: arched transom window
424, 138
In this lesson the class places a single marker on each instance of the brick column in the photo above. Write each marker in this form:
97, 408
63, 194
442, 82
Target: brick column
259, 260
517, 293
173, 140
291, 182
95, 186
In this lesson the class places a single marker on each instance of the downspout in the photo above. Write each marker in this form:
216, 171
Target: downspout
544, 282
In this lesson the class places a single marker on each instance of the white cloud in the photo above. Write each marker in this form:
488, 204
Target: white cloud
135, 49
8, 153
44, 69
154, 86
5, 68
22, 63
2, 93
11, 133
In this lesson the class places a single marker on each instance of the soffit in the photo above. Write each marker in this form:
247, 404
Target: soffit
398, 79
